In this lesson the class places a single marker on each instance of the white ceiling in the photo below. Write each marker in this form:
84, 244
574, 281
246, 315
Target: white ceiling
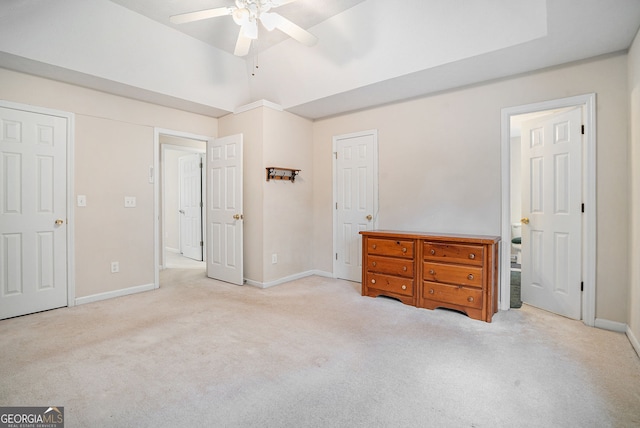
222, 32
370, 52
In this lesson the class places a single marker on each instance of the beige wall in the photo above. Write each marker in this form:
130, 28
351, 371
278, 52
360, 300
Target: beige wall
114, 148
278, 215
439, 171
634, 122
439, 163
288, 216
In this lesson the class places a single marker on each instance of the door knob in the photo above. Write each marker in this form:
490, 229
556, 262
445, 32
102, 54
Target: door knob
181, 211
238, 216
369, 217
524, 220
59, 222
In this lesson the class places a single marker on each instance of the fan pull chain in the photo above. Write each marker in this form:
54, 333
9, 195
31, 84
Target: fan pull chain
256, 64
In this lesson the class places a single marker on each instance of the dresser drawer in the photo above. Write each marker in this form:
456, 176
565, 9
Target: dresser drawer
457, 295
452, 274
390, 247
393, 266
454, 253
390, 283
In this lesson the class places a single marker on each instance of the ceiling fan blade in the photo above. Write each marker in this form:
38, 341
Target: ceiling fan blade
201, 14
243, 44
294, 31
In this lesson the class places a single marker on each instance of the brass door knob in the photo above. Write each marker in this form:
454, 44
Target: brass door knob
524, 220
238, 216
369, 217
59, 222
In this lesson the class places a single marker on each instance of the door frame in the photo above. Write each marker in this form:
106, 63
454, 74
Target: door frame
154, 175
588, 103
70, 185
376, 195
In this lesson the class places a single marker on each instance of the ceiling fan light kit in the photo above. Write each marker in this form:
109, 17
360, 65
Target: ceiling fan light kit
246, 14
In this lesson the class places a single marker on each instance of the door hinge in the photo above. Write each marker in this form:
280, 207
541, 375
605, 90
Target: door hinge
582, 129
202, 243
336, 256
201, 205
581, 285
582, 207
336, 154
336, 205
201, 166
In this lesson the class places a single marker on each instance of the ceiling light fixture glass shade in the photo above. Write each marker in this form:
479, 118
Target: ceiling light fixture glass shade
241, 16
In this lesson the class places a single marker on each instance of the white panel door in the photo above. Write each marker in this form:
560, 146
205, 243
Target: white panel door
356, 199
33, 212
191, 208
224, 209
552, 205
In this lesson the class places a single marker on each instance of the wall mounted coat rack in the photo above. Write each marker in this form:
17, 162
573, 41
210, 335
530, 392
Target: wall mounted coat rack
278, 173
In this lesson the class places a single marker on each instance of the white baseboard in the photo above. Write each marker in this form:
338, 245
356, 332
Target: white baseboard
115, 293
611, 325
288, 278
634, 340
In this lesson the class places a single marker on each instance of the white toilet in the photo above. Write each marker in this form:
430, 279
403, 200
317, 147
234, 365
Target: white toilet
516, 242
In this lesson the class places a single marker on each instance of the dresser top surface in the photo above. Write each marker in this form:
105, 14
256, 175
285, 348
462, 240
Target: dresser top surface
444, 237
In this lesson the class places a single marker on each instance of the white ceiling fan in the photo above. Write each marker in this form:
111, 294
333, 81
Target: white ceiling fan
246, 14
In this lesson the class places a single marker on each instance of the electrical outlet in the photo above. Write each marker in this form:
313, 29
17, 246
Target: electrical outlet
274, 258
129, 201
115, 267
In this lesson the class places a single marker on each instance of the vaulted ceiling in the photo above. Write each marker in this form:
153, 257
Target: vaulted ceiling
370, 52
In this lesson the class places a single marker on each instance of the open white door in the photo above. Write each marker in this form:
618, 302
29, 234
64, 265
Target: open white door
552, 213
224, 209
191, 207
356, 203
33, 212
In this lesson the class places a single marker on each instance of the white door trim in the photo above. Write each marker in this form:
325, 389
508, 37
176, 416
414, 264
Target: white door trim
154, 174
70, 117
373, 132
588, 103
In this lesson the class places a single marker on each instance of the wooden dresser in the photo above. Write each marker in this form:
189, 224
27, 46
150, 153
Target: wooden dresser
429, 271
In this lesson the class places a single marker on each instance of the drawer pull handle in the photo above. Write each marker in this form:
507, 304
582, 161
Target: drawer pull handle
470, 299
404, 250
374, 246
470, 277
404, 268
373, 264
373, 281
431, 291
404, 287
432, 272
433, 252
472, 256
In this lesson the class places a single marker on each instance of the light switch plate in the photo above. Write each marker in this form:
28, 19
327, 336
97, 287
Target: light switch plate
82, 200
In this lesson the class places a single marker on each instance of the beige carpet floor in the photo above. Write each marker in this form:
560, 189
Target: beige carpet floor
312, 353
